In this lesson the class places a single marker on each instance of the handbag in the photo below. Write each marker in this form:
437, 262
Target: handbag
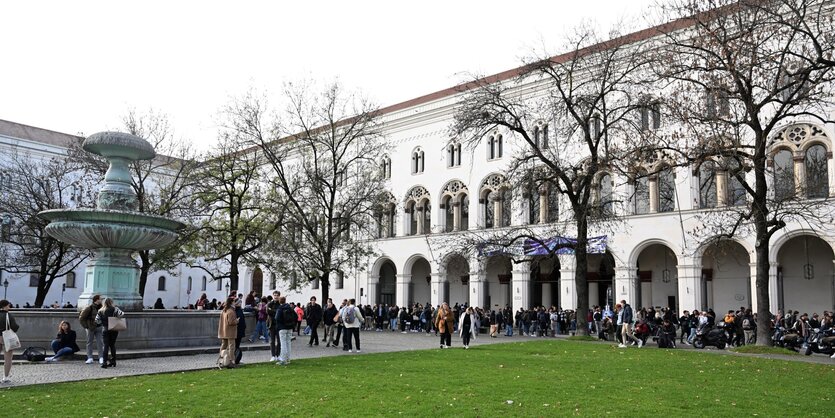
307, 330
10, 340
34, 354
114, 323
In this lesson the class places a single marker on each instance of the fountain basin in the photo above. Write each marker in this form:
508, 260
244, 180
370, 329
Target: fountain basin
92, 229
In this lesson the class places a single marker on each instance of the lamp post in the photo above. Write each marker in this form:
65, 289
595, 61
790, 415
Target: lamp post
5, 285
227, 289
63, 289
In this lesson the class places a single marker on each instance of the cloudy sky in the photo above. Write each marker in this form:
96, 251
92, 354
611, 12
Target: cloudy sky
77, 66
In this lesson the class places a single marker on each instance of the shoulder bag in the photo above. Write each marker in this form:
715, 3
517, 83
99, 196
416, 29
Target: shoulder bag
10, 340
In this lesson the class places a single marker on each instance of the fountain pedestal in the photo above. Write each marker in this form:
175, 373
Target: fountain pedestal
114, 273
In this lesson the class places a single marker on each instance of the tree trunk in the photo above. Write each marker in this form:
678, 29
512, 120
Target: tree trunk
233, 273
762, 279
581, 284
144, 268
324, 282
42, 290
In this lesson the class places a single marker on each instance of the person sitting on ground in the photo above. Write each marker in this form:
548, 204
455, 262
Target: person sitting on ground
667, 335
158, 304
642, 331
64, 343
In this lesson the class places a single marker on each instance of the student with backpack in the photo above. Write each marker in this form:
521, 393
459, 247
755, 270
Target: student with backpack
352, 319
285, 319
260, 321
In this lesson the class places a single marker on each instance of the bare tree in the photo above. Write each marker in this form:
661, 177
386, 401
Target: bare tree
588, 97
163, 185
322, 153
234, 220
740, 71
33, 185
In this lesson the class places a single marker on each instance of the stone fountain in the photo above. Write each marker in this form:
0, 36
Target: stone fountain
114, 230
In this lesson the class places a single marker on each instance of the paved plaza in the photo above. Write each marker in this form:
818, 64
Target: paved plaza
165, 361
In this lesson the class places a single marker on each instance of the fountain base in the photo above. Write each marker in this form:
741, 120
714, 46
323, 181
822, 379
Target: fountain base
113, 273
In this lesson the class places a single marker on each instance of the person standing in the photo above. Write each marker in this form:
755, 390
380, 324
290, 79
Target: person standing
340, 326
227, 327
260, 332
286, 318
684, 326
239, 313
272, 326
64, 343
107, 311
7, 322
625, 319
467, 328
314, 317
330, 313
352, 319
445, 324
87, 318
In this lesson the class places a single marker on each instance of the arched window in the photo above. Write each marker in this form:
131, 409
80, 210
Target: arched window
411, 209
417, 161
817, 178
385, 166
453, 155
783, 175
494, 147
161, 284
449, 212
488, 209
465, 212
606, 198
339, 283
540, 136
70, 281
189, 284
641, 196
736, 192
203, 284
533, 204
427, 216
272, 281
219, 285
390, 221
666, 190
553, 200
707, 185
507, 198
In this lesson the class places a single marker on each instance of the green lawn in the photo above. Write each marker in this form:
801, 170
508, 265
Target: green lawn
530, 379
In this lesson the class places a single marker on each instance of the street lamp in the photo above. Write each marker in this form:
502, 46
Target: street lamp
63, 289
227, 289
5, 285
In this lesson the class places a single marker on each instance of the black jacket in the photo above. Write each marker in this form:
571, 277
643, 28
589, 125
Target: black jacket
67, 340
280, 314
241, 321
330, 313
314, 314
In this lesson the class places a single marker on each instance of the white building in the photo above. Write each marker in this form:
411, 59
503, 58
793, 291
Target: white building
441, 190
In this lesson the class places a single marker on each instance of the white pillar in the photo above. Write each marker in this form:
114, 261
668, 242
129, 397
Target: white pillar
568, 295
421, 228
593, 292
689, 286
438, 295
371, 290
456, 216
402, 295
653, 194
626, 282
521, 286
773, 291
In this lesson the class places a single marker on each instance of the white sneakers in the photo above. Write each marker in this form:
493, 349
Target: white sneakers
6, 379
640, 343
101, 360
50, 359
621, 345
358, 351
89, 361
273, 358
350, 350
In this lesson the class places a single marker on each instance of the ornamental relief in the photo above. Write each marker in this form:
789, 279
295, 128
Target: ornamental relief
797, 134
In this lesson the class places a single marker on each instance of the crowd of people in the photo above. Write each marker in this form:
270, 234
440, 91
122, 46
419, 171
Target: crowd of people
277, 320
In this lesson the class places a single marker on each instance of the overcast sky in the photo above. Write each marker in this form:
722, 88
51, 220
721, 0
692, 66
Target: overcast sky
77, 66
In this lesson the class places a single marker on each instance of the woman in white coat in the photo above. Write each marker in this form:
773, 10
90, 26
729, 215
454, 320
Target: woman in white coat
468, 327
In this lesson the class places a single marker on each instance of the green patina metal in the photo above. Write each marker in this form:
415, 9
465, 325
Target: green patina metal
114, 230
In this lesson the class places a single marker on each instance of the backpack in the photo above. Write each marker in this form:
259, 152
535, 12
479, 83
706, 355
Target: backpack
34, 354
746, 324
227, 358
288, 316
349, 315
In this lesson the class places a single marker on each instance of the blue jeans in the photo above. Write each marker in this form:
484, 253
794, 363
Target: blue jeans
508, 330
393, 324
59, 352
260, 330
284, 336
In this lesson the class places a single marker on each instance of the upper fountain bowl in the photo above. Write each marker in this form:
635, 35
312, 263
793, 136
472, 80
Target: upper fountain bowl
119, 145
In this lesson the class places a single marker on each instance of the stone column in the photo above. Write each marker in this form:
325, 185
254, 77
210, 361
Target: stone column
752, 282
520, 285
373, 288
626, 282
497, 209
456, 216
402, 296
721, 188
653, 194
420, 220
438, 295
799, 177
568, 295
689, 286
773, 290
543, 208
478, 280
